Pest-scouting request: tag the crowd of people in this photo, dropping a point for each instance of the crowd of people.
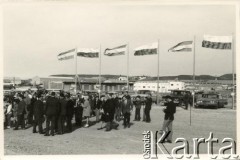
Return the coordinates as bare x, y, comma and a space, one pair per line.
59, 110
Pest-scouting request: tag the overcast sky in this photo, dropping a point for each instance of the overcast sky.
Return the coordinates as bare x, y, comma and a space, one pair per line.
35, 34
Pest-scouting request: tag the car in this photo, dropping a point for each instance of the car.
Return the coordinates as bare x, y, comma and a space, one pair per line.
178, 97
152, 93
212, 100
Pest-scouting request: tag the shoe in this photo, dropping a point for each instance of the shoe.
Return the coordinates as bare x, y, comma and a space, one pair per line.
52, 134
46, 135
86, 126
128, 125
15, 129
41, 133
34, 131
107, 130
100, 128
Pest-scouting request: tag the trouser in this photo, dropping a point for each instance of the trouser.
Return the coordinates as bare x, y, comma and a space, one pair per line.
147, 113
186, 105
137, 114
69, 123
20, 120
61, 121
9, 120
118, 114
78, 116
126, 119
37, 122
167, 126
30, 118
97, 112
144, 115
50, 119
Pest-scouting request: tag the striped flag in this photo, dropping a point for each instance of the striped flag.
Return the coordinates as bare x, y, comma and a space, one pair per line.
217, 42
88, 52
70, 54
82, 52
116, 51
149, 49
185, 46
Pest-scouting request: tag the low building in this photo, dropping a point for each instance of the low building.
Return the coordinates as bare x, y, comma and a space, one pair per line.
164, 86
12, 80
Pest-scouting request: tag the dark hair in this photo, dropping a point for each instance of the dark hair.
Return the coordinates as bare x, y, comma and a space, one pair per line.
61, 94
53, 94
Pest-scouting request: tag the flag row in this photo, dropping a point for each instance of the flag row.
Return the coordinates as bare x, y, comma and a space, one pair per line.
214, 42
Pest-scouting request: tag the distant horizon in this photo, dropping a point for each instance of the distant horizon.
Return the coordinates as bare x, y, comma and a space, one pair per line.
21, 77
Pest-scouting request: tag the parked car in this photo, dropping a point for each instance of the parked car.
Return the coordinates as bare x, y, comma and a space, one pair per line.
212, 100
178, 97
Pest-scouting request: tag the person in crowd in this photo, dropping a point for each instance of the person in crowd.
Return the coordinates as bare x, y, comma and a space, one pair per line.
186, 99
127, 108
9, 113
69, 112
97, 108
103, 112
86, 110
79, 110
21, 111
92, 103
118, 109
52, 105
109, 107
29, 111
138, 105
169, 111
148, 106
15, 109
62, 113
38, 114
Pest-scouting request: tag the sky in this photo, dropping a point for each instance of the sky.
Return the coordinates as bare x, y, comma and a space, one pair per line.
34, 34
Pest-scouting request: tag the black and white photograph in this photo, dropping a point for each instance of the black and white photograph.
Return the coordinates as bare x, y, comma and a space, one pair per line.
132, 79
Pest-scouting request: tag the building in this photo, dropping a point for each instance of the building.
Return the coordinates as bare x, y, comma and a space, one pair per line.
122, 78
56, 83
12, 80
84, 84
164, 86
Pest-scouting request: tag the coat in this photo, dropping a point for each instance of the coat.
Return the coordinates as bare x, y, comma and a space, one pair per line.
38, 109
70, 108
170, 110
148, 104
21, 107
63, 107
86, 109
52, 105
127, 106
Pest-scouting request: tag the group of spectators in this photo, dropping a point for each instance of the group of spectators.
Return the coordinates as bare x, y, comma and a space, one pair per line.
57, 111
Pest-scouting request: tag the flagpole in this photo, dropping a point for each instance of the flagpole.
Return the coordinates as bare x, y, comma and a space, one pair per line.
128, 66
193, 94
100, 63
76, 70
158, 52
233, 76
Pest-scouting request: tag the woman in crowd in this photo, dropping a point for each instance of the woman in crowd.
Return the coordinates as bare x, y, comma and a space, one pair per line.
86, 110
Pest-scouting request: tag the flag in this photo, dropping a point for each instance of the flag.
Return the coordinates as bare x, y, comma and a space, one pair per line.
146, 49
67, 55
185, 46
88, 52
116, 51
217, 42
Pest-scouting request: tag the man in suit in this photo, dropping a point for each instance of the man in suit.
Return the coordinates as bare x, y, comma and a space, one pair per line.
127, 108
69, 112
21, 111
38, 113
169, 111
148, 107
52, 105
62, 113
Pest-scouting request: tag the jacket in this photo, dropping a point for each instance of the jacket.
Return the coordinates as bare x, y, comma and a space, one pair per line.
21, 107
52, 105
38, 109
127, 106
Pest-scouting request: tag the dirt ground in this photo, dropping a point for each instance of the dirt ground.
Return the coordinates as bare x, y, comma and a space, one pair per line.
85, 141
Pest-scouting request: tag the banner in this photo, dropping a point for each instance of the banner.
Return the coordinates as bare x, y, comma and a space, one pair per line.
116, 51
217, 42
185, 46
146, 49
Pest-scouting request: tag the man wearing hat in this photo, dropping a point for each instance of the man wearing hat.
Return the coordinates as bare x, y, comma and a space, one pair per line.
52, 106
38, 113
168, 118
